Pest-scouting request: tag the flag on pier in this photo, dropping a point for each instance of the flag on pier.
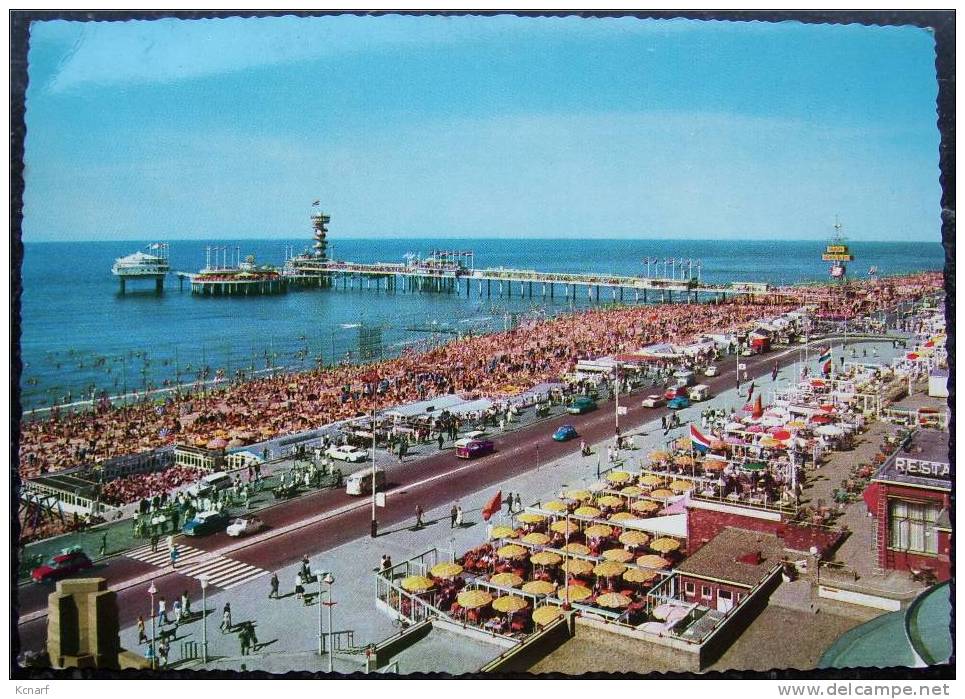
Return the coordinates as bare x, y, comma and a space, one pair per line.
825, 360
316, 202
758, 411
700, 441
493, 506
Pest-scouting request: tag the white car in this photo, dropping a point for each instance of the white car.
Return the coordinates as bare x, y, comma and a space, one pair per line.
475, 434
653, 401
462, 442
347, 453
243, 526
710, 371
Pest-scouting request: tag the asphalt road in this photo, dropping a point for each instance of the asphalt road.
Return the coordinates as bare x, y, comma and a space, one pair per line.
431, 482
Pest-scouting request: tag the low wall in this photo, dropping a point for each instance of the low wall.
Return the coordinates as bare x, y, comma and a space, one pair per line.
533, 649
671, 651
860, 598
392, 646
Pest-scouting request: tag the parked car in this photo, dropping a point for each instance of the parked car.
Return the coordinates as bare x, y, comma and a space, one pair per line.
473, 434
360, 482
346, 452
653, 401
581, 405
205, 523
211, 483
565, 433
699, 392
679, 403
684, 376
243, 526
710, 371
475, 447
68, 562
675, 391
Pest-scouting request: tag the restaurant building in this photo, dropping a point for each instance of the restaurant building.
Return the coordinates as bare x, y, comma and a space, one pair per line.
910, 499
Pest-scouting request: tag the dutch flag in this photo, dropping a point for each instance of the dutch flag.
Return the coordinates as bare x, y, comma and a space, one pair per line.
825, 360
701, 442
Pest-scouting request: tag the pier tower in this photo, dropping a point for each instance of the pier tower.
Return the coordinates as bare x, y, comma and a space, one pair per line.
320, 247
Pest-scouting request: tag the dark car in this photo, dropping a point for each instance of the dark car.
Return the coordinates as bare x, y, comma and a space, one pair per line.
205, 523
68, 562
475, 447
565, 433
580, 406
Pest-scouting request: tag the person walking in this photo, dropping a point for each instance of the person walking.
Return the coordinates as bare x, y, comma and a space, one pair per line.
141, 630
517, 506
185, 604
244, 640
174, 556
452, 517
162, 611
441, 440
274, 586
103, 550
155, 540
176, 611
509, 502
162, 652
418, 516
458, 517
226, 618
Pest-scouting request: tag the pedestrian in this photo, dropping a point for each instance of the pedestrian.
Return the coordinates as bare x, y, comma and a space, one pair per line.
155, 540
299, 586
452, 517
226, 618
384, 563
458, 517
170, 542
244, 640
306, 568
176, 611
141, 631
663, 424
185, 604
517, 507
103, 549
509, 502
418, 516
162, 612
274, 586
174, 556
162, 652
441, 440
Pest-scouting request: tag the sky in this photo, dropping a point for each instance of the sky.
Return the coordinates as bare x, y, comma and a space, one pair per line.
479, 127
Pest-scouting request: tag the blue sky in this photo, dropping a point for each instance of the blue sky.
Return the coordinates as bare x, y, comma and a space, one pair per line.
489, 127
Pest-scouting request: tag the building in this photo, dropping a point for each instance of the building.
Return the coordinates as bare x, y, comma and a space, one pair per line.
910, 499
209, 460
730, 567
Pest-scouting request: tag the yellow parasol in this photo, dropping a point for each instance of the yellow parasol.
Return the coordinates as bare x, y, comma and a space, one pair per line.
445, 570
531, 518
560, 527
769, 442
646, 507
635, 575
539, 587
555, 506
632, 537
652, 561
578, 566
796, 424
618, 476
417, 583
651, 480
509, 603
713, 464
658, 455
618, 555
664, 545
545, 558
545, 615
473, 599
578, 494
587, 511
662, 493
578, 549
536, 539
613, 600
576, 593
609, 569
683, 443
684, 461
632, 490
681, 486
610, 501
512, 551
621, 516
599, 530
506, 579
503, 533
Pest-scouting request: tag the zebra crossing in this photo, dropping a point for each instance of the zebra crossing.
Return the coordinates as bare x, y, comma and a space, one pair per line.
222, 572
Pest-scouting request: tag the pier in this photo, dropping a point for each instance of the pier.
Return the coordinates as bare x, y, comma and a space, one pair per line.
152, 266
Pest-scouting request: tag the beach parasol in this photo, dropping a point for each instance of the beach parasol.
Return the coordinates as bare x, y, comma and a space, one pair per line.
613, 600
473, 599
754, 466
769, 443
632, 537
512, 551
554, 506
632, 490
796, 424
545, 615
662, 493
635, 575
536, 539
539, 587
417, 583
545, 558
598, 530
663, 611
645, 507
618, 555
664, 544
651, 481
621, 516
609, 569
531, 518
506, 579
445, 570
681, 486
578, 494
579, 566
780, 434
578, 549
713, 464
658, 455
576, 593
829, 431
684, 461
683, 443
509, 603
610, 501
618, 476
217, 443
586, 511
503, 533
562, 526
653, 561
755, 428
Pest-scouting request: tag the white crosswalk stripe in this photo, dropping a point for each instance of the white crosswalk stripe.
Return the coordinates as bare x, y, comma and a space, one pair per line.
222, 571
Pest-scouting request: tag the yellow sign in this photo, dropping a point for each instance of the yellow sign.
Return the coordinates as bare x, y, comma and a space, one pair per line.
837, 248
836, 258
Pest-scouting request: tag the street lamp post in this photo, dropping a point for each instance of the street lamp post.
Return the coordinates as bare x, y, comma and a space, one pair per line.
153, 591
330, 581
203, 579
320, 591
375, 523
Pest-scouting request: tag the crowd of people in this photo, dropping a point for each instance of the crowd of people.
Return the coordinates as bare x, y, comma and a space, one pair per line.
494, 365
121, 491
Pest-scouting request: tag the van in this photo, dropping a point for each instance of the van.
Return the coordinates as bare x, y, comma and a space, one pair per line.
360, 482
699, 392
213, 482
684, 376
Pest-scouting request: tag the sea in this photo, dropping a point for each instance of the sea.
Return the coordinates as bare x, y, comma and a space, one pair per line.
80, 337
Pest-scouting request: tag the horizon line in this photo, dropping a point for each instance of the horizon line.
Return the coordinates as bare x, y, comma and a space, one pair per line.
308, 240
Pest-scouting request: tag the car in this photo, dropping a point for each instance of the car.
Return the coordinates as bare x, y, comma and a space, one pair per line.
710, 371
475, 447
67, 562
699, 393
675, 391
679, 403
565, 433
346, 452
243, 526
205, 523
581, 405
653, 401
474, 434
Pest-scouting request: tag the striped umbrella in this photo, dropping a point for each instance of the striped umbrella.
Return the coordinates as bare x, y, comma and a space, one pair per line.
613, 600
653, 561
576, 593
635, 575
664, 545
